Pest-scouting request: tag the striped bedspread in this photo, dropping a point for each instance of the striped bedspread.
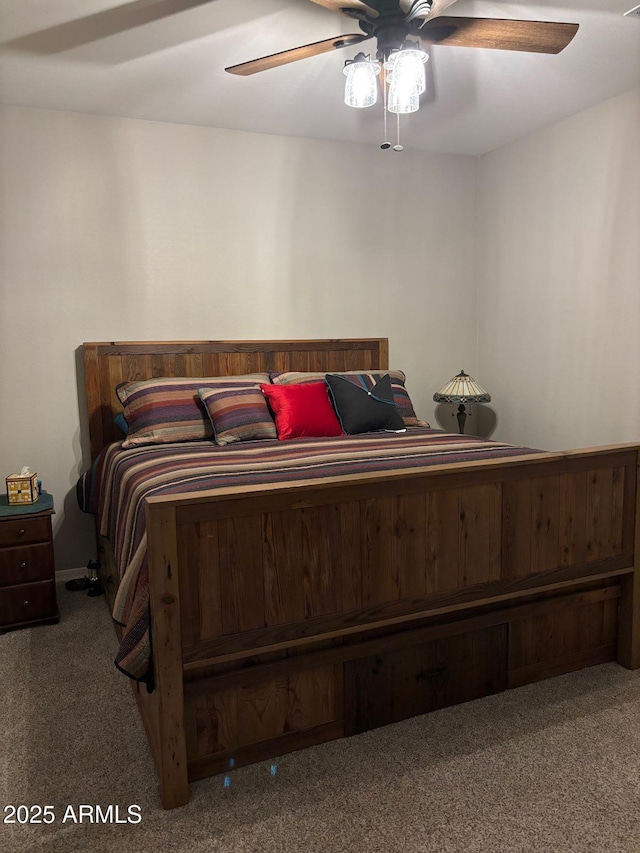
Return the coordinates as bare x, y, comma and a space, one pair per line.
116, 488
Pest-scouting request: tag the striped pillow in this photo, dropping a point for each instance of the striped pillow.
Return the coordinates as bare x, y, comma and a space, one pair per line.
238, 413
365, 379
166, 410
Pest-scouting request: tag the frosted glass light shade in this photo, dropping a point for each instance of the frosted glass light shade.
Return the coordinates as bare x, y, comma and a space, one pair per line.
361, 85
408, 69
402, 102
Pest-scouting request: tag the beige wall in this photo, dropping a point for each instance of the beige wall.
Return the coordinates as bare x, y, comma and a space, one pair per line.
120, 229
559, 289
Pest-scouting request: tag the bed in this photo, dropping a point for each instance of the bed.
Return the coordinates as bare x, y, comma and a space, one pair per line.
286, 614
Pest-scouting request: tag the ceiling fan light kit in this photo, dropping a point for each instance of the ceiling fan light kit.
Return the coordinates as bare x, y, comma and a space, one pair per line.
361, 85
398, 26
405, 68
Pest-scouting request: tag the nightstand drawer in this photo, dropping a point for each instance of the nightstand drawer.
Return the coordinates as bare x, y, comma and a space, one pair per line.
23, 530
27, 563
27, 603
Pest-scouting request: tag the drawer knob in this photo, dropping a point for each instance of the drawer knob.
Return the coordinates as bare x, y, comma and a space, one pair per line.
21, 532
25, 603
23, 565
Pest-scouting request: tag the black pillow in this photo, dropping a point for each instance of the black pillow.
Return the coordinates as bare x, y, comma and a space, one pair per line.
360, 410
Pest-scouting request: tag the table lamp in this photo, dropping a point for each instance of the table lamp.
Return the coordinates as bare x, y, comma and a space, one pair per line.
462, 389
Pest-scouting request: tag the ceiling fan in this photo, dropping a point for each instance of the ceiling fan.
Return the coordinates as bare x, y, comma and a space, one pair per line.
391, 22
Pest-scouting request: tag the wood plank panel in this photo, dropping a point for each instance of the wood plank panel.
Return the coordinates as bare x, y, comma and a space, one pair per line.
136, 367
610, 623
629, 507
475, 665
210, 608
392, 686
545, 508
480, 534
311, 699
336, 362
282, 567
409, 545
351, 561
560, 666
95, 403
190, 726
629, 614
617, 510
261, 711
282, 362
188, 541
193, 364
561, 640
211, 364
534, 510
109, 368
238, 363
148, 707
443, 537
158, 361
240, 715
321, 560
114, 371
216, 722
380, 582
164, 600
573, 518
241, 584
516, 529
599, 511
300, 361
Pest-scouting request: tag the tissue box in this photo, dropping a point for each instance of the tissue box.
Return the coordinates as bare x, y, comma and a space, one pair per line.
22, 488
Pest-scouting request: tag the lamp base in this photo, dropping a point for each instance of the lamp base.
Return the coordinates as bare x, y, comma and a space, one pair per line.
462, 417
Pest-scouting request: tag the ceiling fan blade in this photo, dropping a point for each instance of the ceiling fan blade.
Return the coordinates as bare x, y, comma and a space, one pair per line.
100, 25
285, 56
339, 5
498, 34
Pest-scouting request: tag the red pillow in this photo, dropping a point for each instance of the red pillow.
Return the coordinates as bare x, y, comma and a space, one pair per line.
302, 410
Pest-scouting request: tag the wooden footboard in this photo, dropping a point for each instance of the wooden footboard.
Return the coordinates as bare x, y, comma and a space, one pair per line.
287, 617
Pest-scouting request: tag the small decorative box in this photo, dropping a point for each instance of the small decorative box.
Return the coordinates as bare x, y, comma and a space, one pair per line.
22, 488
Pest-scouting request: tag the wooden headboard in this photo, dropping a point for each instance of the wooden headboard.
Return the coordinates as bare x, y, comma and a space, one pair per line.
108, 364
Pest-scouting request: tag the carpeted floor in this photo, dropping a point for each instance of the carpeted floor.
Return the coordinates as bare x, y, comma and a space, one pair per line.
550, 767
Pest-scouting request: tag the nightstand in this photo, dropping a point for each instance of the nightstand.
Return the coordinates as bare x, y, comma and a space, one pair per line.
27, 574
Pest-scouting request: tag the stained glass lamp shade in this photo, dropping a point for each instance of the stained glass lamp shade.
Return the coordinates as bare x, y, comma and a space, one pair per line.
462, 389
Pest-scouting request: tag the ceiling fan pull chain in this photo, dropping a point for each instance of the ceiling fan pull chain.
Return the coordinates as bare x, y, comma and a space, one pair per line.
398, 147
386, 144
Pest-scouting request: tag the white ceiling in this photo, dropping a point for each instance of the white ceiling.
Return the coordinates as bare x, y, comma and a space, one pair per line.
172, 70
